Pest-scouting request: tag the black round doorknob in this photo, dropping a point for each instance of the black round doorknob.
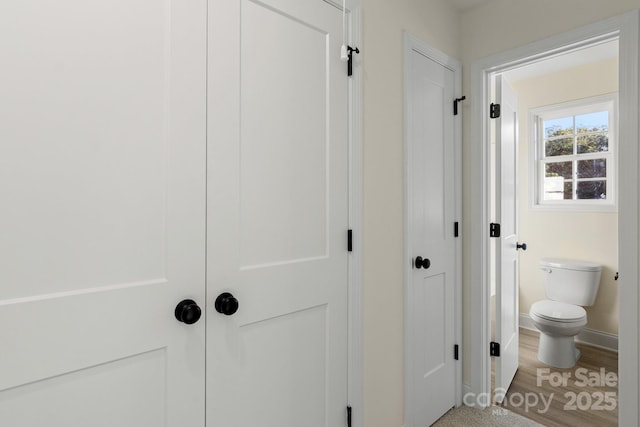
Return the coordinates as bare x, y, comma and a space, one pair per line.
187, 311
226, 304
422, 263
522, 246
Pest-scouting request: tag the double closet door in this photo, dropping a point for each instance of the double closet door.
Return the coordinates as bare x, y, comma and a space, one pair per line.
157, 152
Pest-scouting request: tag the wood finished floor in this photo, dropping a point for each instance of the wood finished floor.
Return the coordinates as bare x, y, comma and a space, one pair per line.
577, 403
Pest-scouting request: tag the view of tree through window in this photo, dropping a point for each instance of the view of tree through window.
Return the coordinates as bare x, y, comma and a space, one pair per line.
575, 156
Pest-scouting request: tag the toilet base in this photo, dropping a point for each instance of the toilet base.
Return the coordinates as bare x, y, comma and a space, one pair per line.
558, 351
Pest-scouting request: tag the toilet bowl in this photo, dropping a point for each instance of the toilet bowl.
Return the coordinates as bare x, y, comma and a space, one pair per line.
558, 324
569, 285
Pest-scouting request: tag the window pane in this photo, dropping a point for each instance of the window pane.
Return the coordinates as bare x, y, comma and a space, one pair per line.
592, 168
593, 122
558, 147
594, 143
557, 127
568, 190
592, 190
558, 169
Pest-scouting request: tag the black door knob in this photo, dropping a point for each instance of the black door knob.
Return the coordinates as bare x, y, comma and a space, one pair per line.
187, 311
226, 304
522, 246
422, 263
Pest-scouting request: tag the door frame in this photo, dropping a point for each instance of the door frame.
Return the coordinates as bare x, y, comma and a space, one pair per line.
626, 28
412, 43
355, 381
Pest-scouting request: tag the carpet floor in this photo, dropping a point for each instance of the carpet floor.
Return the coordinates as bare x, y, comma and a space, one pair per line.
493, 416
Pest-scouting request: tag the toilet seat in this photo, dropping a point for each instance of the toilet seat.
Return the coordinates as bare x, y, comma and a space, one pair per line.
557, 311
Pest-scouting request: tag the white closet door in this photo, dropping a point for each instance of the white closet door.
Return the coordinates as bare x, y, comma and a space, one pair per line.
431, 263
278, 158
102, 224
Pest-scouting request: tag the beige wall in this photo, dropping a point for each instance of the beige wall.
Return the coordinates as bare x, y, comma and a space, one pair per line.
498, 26
589, 236
436, 23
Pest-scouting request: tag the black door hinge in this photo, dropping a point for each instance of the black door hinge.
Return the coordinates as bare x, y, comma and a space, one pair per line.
494, 111
350, 60
455, 351
455, 229
350, 240
494, 230
494, 349
348, 416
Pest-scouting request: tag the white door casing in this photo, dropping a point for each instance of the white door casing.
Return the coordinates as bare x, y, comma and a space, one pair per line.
277, 214
506, 259
431, 197
102, 182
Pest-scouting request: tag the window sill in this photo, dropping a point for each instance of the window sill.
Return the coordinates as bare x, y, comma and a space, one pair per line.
575, 207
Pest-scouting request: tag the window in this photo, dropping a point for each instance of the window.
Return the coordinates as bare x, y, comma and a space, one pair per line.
574, 154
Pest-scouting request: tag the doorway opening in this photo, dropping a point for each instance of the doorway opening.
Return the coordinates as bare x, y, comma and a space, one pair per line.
565, 119
625, 29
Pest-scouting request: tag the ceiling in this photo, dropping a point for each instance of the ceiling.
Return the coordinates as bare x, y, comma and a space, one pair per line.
462, 5
584, 56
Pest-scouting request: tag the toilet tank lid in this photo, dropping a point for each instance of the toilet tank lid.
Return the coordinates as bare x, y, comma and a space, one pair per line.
570, 264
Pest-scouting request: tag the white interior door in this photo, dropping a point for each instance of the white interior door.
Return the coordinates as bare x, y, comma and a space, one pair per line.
277, 211
102, 182
431, 199
507, 304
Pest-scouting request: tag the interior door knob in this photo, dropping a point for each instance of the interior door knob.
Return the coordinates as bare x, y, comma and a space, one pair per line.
422, 263
187, 311
226, 304
522, 246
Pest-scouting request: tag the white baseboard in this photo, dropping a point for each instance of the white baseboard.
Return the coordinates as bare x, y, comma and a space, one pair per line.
526, 322
587, 336
466, 389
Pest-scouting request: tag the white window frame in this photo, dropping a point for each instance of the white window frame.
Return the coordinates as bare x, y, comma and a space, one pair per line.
537, 163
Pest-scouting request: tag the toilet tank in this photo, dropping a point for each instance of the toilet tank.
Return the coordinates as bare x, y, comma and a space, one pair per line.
570, 281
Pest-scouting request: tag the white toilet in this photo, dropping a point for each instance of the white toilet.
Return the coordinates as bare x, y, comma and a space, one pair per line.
569, 285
